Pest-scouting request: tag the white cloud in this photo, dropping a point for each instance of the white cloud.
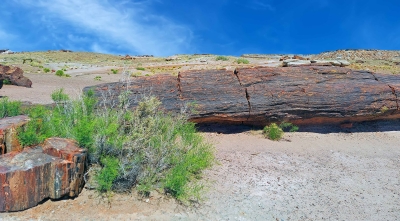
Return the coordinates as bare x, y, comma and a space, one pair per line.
121, 24
260, 5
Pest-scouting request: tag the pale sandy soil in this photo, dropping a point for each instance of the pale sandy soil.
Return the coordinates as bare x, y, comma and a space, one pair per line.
306, 176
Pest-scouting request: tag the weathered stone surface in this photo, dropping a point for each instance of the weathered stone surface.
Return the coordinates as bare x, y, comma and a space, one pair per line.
295, 63
52, 170
8, 133
258, 96
14, 75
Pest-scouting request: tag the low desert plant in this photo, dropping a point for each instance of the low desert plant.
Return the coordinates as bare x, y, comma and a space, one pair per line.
7, 82
46, 70
143, 148
221, 58
114, 71
242, 61
60, 73
9, 108
140, 68
275, 132
97, 78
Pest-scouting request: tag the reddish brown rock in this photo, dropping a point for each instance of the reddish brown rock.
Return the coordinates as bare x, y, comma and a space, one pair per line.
8, 133
258, 96
52, 170
14, 75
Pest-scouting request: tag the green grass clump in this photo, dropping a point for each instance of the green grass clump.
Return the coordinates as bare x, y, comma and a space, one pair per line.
221, 58
275, 132
9, 108
242, 61
143, 148
46, 70
114, 71
140, 68
60, 73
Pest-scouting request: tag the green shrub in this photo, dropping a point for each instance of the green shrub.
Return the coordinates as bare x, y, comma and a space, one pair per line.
9, 108
108, 173
46, 70
140, 68
114, 71
97, 78
7, 82
58, 96
143, 147
221, 58
242, 61
275, 132
60, 73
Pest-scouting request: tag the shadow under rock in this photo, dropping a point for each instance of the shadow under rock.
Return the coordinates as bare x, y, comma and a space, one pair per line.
357, 127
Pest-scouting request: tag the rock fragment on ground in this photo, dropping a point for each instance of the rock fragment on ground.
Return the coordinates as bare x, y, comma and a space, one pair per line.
52, 170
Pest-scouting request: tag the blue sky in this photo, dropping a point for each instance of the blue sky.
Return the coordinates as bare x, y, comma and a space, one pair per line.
227, 27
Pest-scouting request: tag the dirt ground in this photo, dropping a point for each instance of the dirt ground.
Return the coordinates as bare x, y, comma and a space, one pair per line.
316, 174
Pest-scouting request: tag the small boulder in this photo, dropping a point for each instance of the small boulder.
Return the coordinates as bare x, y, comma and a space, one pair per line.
14, 75
52, 170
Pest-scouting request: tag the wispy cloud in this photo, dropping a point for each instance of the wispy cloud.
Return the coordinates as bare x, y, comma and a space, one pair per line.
260, 5
112, 25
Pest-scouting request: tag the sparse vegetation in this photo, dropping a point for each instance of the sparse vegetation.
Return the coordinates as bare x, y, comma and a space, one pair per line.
9, 108
140, 68
143, 147
221, 58
242, 61
97, 78
114, 71
46, 70
275, 132
60, 73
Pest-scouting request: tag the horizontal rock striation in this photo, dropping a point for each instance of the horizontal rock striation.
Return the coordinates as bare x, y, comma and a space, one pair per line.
52, 170
258, 96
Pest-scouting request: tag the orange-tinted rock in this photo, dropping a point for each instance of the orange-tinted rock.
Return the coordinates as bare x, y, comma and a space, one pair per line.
8, 133
258, 96
52, 170
14, 75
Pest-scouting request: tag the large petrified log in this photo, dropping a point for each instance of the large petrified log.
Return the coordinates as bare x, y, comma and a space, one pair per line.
14, 75
52, 170
258, 96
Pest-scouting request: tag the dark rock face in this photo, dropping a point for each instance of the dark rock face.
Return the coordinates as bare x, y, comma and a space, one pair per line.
14, 75
258, 96
52, 170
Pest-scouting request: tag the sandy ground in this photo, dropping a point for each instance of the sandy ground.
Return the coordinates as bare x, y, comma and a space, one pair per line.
327, 174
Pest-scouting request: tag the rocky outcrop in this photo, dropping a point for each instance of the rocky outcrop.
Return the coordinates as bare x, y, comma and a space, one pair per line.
258, 96
14, 75
361, 54
52, 170
8, 133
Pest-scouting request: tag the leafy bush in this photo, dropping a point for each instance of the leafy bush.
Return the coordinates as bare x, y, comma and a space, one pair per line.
114, 71
6, 82
221, 58
60, 73
46, 70
242, 61
275, 132
143, 147
97, 78
140, 68
9, 108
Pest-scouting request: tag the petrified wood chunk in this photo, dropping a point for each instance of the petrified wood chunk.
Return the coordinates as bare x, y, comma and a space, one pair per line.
52, 170
258, 96
14, 75
8, 133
